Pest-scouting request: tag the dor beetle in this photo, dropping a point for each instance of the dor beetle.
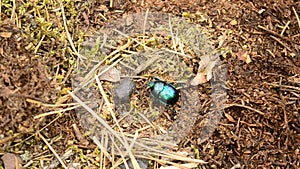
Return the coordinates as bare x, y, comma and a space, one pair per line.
166, 93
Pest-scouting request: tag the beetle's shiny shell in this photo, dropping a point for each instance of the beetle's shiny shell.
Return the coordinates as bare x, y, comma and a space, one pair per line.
164, 92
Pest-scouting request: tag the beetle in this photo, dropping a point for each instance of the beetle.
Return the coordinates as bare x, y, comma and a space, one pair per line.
165, 92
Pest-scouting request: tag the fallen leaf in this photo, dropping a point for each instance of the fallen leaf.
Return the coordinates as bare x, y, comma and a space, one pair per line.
243, 56
233, 22
111, 75
204, 74
12, 161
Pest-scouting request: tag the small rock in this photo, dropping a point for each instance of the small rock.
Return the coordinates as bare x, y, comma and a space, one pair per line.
12, 161
124, 91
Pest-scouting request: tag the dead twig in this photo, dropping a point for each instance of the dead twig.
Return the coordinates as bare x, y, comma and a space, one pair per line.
59, 112
12, 17
284, 28
47, 125
67, 31
276, 34
297, 17
111, 2
284, 86
270, 31
66, 155
279, 41
145, 24
243, 106
7, 139
52, 150
131, 156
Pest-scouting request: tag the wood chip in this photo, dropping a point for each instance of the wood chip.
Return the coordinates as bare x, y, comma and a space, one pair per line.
5, 34
229, 117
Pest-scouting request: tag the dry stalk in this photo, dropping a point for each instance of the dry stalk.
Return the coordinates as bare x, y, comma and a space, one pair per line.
284, 28
56, 118
298, 20
85, 83
67, 31
49, 105
55, 112
52, 150
280, 42
244, 106
108, 104
276, 34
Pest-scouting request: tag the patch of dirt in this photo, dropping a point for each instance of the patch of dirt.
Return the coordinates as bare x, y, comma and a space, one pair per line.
22, 76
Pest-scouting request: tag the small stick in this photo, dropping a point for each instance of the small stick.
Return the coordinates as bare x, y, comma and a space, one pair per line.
53, 151
284, 28
243, 106
171, 32
49, 105
55, 163
67, 30
271, 53
39, 44
284, 86
112, 131
77, 132
55, 112
297, 17
276, 34
13, 13
178, 53
134, 39
111, 2
47, 125
269, 31
102, 148
276, 39
103, 16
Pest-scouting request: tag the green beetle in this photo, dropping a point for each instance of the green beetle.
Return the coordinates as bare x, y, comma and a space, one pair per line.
166, 93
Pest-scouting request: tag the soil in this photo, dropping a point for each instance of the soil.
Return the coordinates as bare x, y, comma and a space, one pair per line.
261, 123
